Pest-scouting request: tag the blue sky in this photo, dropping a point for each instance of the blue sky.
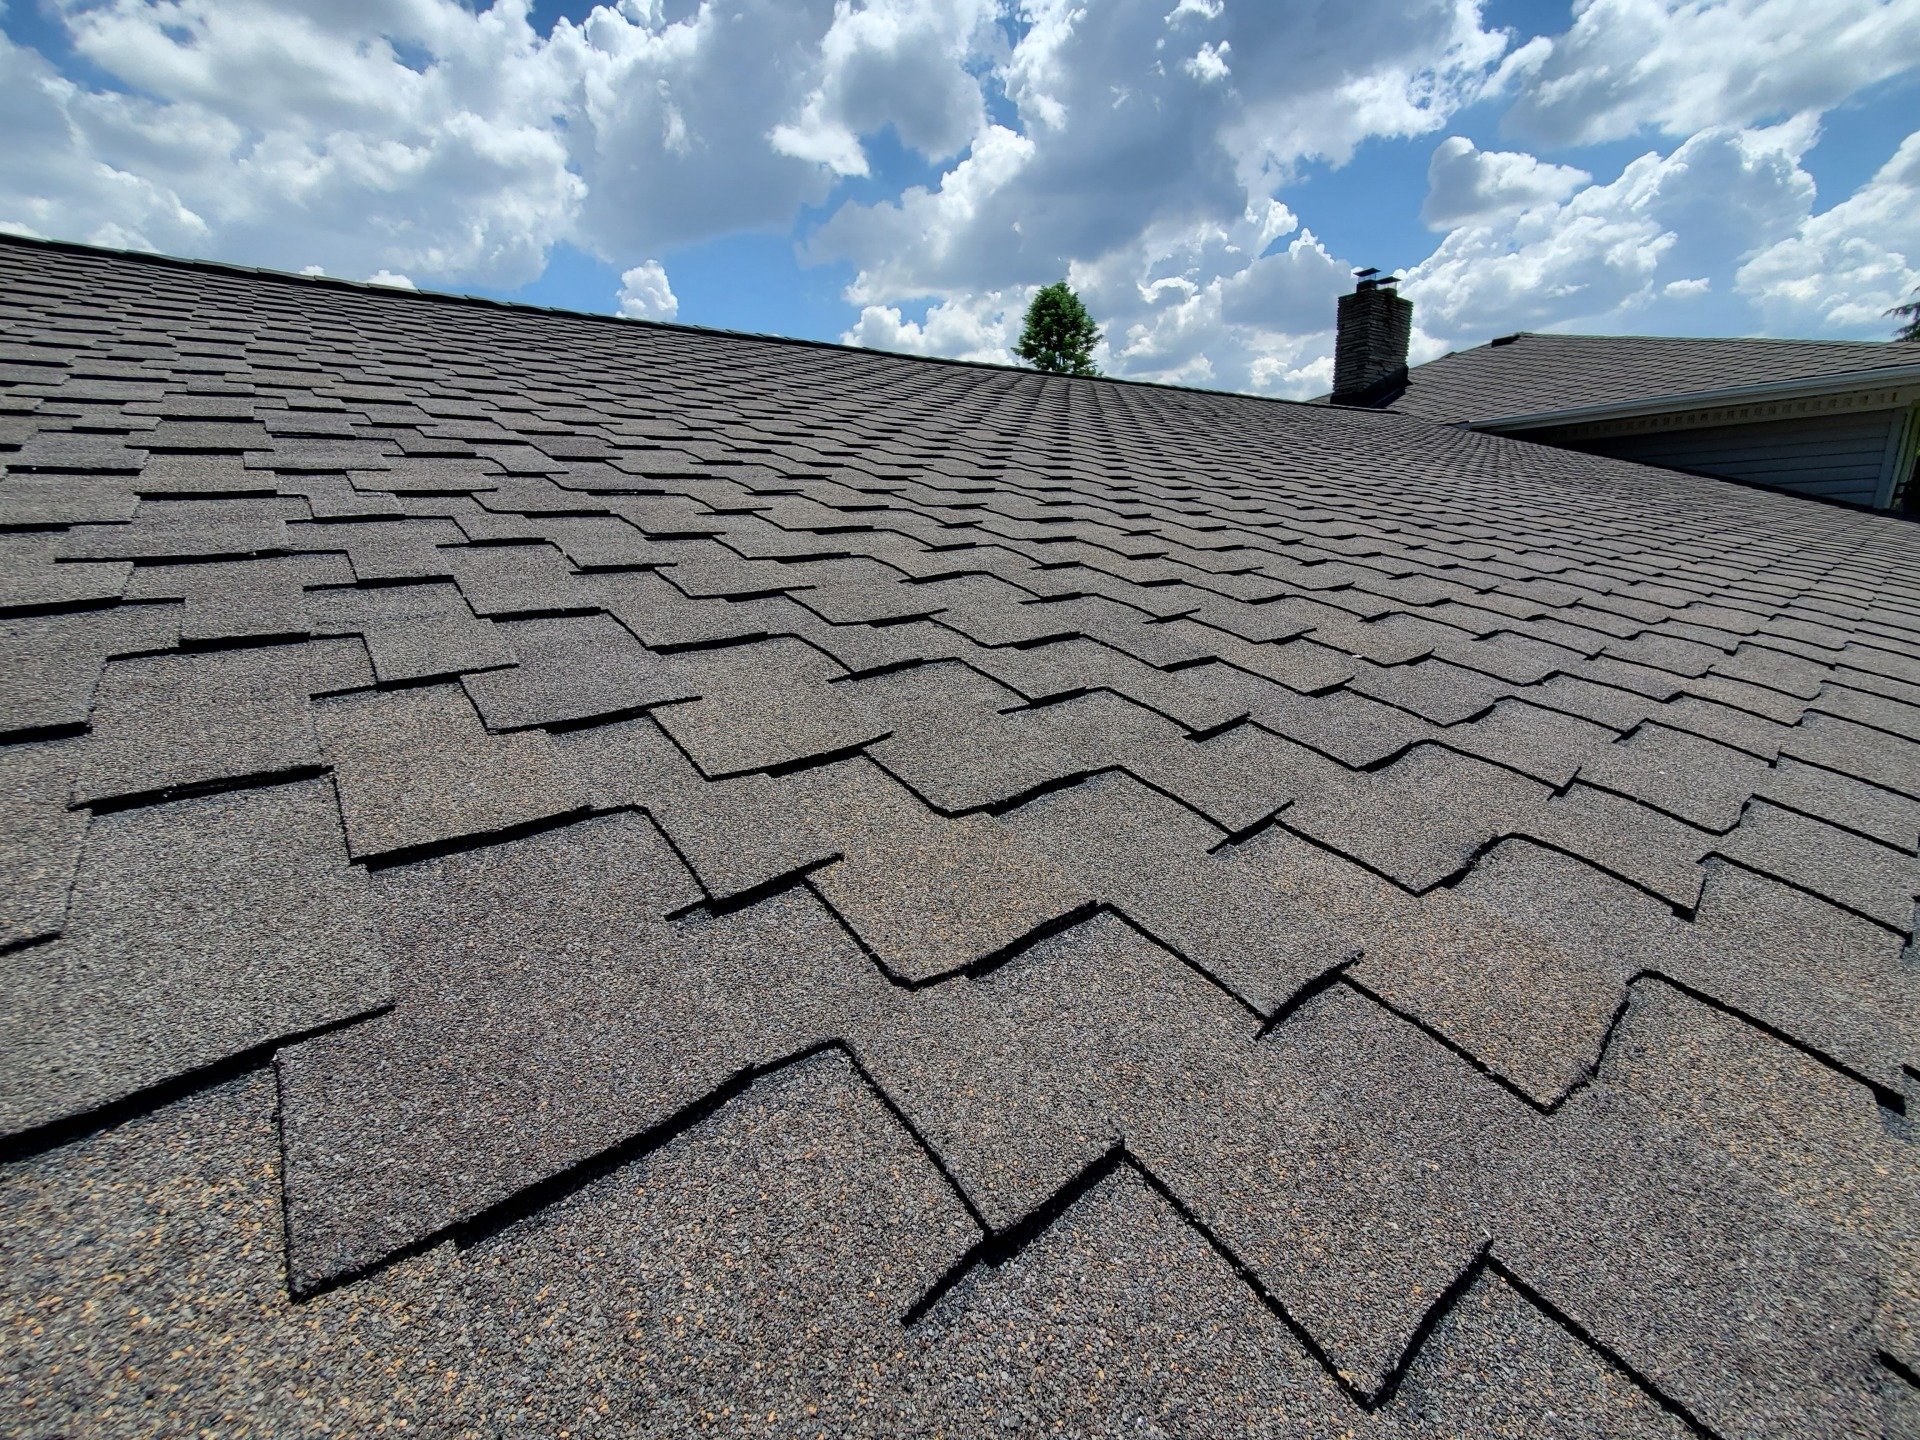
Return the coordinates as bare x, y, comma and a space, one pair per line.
903, 173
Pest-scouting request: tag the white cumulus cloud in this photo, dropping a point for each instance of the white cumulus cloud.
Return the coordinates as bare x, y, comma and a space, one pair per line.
1844, 268
1466, 183
980, 327
1680, 66
1605, 251
645, 293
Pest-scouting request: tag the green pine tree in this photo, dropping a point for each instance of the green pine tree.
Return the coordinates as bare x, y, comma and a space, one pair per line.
1059, 335
1909, 314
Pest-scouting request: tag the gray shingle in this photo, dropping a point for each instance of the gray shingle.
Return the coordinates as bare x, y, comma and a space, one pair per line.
546, 1033
1695, 780
765, 705
1858, 874
178, 722
39, 838
573, 668
32, 579
197, 931
416, 769
53, 662
1421, 819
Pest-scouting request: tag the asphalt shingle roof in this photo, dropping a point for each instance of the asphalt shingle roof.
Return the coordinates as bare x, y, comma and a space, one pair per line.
1538, 374
567, 876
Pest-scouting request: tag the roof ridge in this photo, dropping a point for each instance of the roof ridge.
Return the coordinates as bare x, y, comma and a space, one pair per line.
1687, 339
228, 267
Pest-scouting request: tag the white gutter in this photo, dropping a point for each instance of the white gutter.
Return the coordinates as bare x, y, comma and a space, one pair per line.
1889, 377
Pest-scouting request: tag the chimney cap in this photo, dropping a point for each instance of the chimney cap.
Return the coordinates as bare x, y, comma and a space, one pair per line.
1371, 279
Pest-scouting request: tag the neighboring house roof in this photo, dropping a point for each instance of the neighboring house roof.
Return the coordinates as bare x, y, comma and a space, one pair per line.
1529, 375
573, 876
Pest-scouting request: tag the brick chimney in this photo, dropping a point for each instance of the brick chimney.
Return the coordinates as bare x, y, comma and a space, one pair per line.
1370, 345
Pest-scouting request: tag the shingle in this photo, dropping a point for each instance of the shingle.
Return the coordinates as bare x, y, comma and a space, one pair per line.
1858, 874
412, 632
603, 542
1172, 1344
1265, 917
1841, 800
187, 530
172, 723
1516, 659
209, 435
1238, 779
198, 930
383, 550
32, 579
1354, 730
60, 453
1300, 665
1200, 697
1021, 1078
323, 456
65, 500
1356, 1168
766, 705
706, 570
1544, 744
502, 580
1432, 689
1762, 665
1666, 652
332, 497
1730, 1301
1522, 965
1621, 836
929, 896
547, 1032
1855, 750
218, 1347
1878, 711
737, 835
807, 1223
416, 769
53, 662
856, 591
1695, 780
989, 609
1422, 818
183, 476
665, 619
404, 476
239, 600
1793, 1125
573, 668
39, 838
1730, 726
1833, 981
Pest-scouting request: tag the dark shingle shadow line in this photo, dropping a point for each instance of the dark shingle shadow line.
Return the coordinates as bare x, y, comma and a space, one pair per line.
1898, 1368
197, 789
473, 840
